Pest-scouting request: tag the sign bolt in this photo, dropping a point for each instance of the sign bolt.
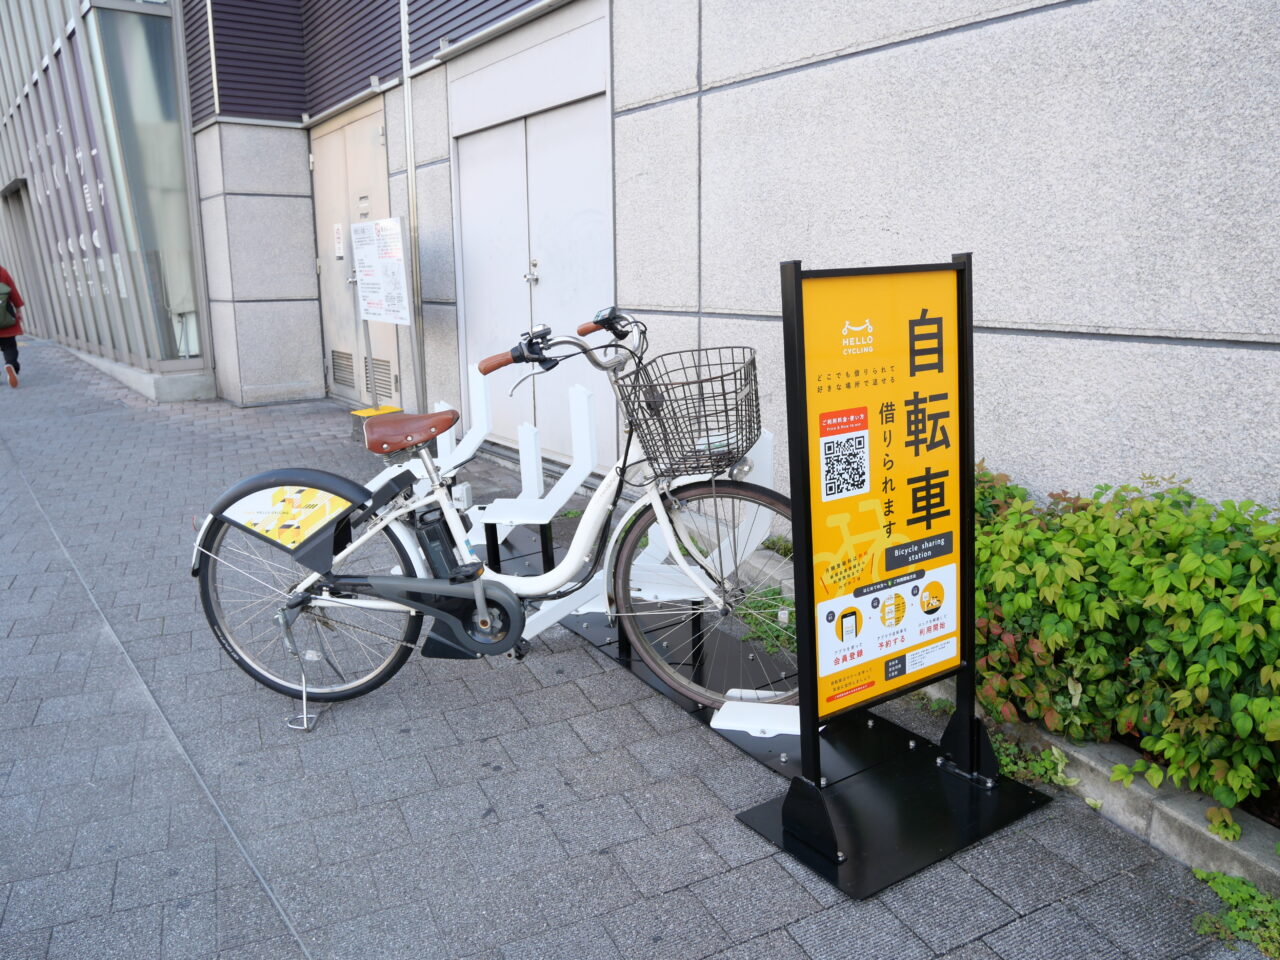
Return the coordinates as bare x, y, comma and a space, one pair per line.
938, 760
840, 857
822, 781
870, 722
911, 744
989, 782
782, 758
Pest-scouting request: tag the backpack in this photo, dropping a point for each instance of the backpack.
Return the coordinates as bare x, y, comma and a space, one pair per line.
7, 317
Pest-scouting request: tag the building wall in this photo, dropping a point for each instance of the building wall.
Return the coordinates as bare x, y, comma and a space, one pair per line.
1109, 164
259, 241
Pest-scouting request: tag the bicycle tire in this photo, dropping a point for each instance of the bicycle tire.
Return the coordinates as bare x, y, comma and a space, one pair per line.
748, 645
241, 577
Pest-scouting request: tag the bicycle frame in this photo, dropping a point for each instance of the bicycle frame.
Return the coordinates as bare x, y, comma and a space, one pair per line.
578, 556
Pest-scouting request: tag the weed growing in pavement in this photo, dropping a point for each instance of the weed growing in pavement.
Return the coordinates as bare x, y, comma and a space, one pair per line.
1047, 766
1251, 915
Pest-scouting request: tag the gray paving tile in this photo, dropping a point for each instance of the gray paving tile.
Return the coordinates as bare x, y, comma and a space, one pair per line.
595, 824
486, 916
527, 844
753, 899
563, 667
741, 782
612, 772
422, 871
614, 687
360, 833
28, 945
502, 680
165, 875
1151, 908
277, 948
684, 753
666, 861
1094, 846
1057, 933
551, 744
827, 894
550, 704
583, 941
385, 780
960, 908
584, 887
28, 853
484, 720
123, 935
414, 737
868, 924
675, 924
972, 951
674, 803
772, 946
1021, 872
732, 841
404, 932
517, 794
190, 927
469, 761
119, 837
58, 898
615, 727
446, 811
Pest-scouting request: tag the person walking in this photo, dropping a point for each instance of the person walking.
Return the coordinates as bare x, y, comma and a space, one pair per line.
9, 335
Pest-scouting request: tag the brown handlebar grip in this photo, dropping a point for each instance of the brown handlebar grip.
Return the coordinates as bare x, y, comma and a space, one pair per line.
496, 362
586, 328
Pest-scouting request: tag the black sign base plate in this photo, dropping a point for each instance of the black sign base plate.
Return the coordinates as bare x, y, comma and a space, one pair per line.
891, 818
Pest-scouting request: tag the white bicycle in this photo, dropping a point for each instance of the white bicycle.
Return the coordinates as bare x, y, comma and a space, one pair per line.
318, 586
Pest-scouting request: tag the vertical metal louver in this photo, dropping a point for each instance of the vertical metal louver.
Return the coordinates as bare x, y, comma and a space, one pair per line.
344, 369
381, 377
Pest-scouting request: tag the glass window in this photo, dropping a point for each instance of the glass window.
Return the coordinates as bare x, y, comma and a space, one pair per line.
137, 54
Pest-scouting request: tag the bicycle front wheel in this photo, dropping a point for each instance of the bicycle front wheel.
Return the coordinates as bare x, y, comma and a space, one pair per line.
346, 650
742, 646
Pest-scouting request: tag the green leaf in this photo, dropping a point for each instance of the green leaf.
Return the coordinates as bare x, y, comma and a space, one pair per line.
1155, 776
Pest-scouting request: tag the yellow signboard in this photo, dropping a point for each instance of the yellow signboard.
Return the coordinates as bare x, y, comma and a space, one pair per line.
287, 515
884, 408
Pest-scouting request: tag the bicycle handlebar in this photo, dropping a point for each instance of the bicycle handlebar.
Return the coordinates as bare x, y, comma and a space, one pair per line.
587, 328
496, 362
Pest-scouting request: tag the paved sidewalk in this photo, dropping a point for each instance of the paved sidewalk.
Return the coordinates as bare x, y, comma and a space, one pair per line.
153, 803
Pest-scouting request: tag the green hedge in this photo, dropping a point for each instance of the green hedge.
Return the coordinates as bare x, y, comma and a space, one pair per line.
1137, 610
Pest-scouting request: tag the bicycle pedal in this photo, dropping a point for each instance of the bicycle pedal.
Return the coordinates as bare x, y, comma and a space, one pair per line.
466, 573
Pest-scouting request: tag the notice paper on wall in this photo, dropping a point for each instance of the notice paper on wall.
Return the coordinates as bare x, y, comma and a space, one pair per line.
380, 276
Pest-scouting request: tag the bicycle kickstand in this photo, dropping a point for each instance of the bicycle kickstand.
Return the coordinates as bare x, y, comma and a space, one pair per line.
306, 722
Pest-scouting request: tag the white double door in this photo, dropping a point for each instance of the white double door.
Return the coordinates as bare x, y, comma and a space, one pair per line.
536, 226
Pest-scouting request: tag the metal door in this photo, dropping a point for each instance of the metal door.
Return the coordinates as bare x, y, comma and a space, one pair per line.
536, 228
571, 254
350, 186
495, 253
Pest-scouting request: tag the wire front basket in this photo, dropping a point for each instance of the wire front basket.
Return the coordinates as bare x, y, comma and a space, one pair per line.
694, 411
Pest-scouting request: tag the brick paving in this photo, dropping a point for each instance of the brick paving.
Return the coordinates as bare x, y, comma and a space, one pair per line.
154, 804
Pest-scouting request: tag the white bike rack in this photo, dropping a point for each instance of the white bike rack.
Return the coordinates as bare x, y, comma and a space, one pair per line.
534, 507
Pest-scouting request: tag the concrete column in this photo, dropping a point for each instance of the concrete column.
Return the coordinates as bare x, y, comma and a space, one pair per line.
260, 249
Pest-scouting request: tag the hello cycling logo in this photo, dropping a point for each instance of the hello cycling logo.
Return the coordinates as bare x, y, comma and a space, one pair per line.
857, 338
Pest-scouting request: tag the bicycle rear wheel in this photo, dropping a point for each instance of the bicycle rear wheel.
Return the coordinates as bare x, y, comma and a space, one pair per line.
346, 651
743, 647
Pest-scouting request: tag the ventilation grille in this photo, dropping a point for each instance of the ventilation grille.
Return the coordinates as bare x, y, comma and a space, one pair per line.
381, 377
344, 369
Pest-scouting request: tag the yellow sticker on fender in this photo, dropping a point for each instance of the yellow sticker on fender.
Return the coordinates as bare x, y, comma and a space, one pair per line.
287, 515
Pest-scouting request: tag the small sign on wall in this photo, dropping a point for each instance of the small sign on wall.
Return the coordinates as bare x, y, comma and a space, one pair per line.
339, 242
379, 266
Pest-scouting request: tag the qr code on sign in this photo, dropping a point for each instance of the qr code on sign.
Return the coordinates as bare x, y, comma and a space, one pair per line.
844, 466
